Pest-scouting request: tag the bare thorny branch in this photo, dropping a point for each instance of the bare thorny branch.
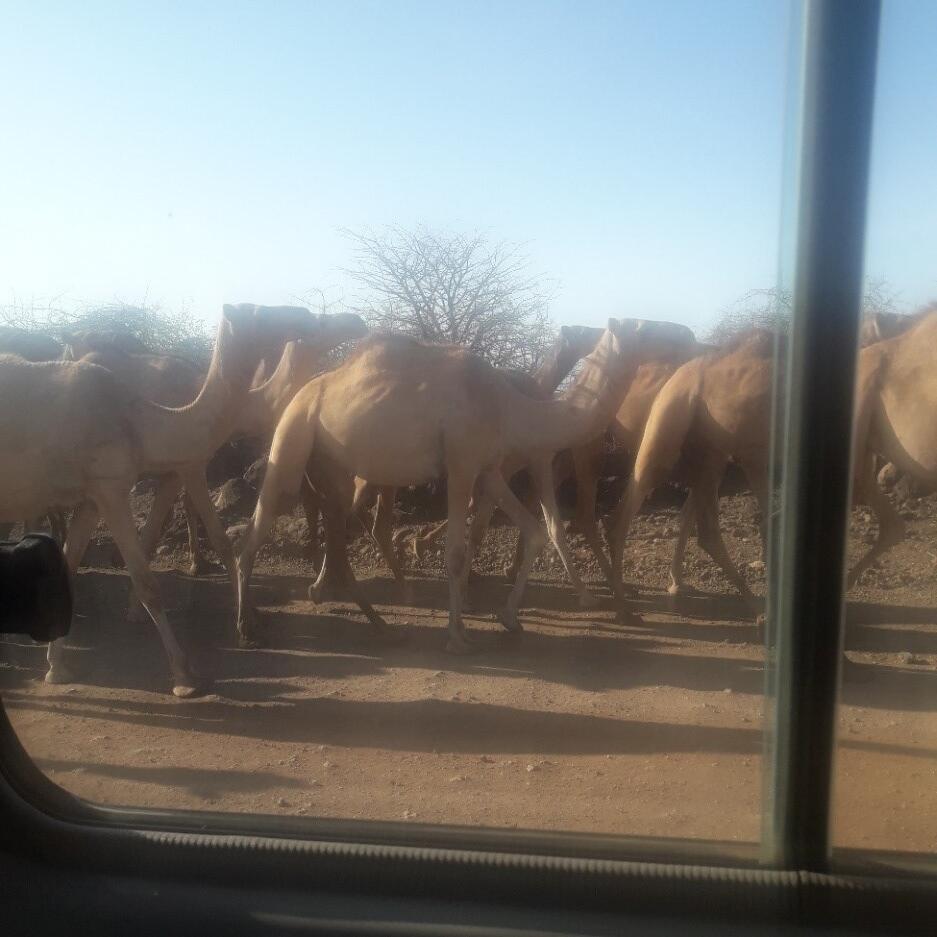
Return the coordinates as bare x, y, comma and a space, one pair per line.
453, 288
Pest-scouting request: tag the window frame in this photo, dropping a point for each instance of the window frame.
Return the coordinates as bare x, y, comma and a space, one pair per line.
786, 876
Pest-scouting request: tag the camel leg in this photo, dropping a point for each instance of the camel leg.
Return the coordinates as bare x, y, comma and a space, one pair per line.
484, 510
709, 536
534, 541
79, 533
330, 584
336, 522
687, 516
198, 565
115, 512
586, 494
382, 532
198, 495
459, 493
58, 525
531, 504
196, 486
542, 471
312, 505
286, 469
639, 486
420, 544
167, 490
891, 528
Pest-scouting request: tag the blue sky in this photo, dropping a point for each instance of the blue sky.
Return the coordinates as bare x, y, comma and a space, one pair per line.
192, 154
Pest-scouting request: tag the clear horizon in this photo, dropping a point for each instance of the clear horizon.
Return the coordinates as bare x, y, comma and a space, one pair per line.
186, 159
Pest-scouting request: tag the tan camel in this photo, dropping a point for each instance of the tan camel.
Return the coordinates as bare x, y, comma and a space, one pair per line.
895, 401
714, 409
572, 344
256, 417
400, 413
74, 438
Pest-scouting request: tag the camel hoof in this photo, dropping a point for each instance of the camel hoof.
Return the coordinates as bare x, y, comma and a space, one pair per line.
198, 568
631, 619
460, 646
249, 643
510, 621
676, 588
761, 628
189, 687
56, 676
588, 600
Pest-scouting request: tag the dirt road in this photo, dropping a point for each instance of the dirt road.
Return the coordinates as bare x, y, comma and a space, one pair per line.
580, 725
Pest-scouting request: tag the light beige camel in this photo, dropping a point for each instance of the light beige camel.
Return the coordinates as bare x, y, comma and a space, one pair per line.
257, 417
572, 344
164, 379
585, 463
895, 402
401, 413
74, 438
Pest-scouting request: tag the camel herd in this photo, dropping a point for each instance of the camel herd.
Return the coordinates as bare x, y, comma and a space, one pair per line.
79, 432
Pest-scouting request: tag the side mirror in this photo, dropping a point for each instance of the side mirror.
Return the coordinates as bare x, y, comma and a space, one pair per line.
35, 588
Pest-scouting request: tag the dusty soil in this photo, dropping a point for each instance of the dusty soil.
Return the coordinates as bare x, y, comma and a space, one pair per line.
580, 724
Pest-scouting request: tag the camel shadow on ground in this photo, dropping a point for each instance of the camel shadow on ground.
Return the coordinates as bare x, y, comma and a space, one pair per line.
563, 645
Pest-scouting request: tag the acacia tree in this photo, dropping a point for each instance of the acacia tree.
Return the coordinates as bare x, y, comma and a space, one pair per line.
160, 330
453, 288
771, 309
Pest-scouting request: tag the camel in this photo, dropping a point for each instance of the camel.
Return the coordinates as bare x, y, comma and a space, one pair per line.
257, 417
73, 437
398, 412
715, 407
572, 344
84, 341
31, 346
896, 392
164, 379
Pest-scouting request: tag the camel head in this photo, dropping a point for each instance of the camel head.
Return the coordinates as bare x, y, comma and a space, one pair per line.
574, 342
339, 328
651, 340
249, 334
880, 326
85, 341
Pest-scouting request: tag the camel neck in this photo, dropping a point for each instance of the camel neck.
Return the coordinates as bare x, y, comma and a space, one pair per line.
298, 364
554, 370
172, 436
583, 411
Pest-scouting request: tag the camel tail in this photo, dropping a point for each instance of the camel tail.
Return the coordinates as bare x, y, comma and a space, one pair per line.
668, 423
